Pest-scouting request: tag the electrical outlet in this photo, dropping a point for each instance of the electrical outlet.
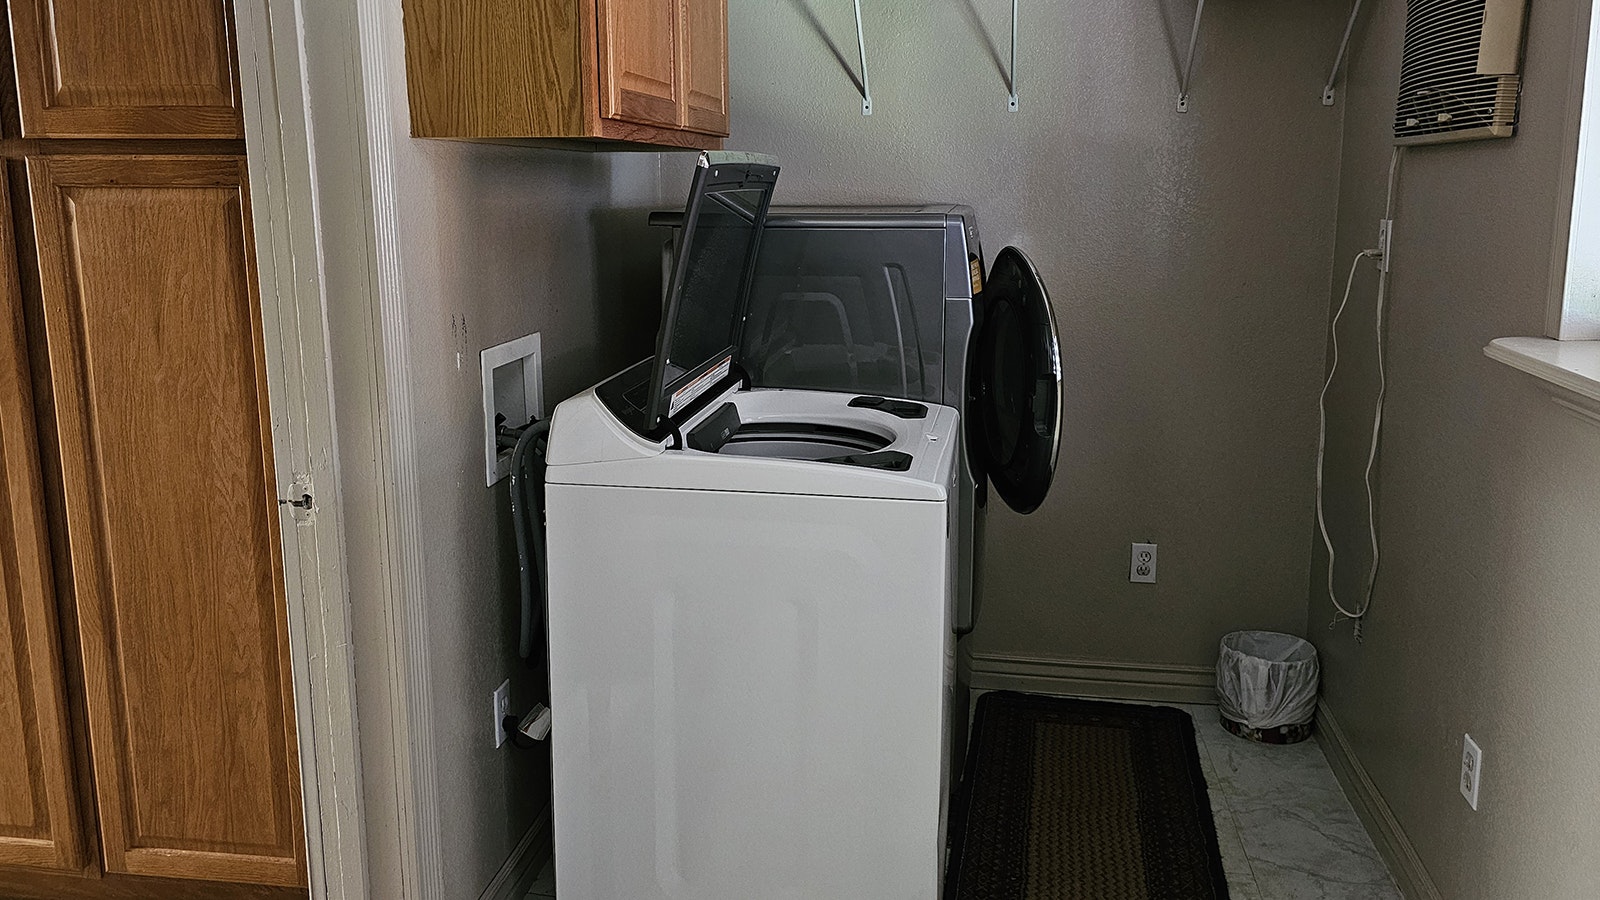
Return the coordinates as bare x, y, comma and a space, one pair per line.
1471, 770
1385, 242
1142, 567
502, 708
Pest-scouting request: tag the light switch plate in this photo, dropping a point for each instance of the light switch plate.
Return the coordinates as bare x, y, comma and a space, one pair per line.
513, 386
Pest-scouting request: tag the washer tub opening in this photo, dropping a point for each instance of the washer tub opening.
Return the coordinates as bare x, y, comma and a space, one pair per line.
802, 440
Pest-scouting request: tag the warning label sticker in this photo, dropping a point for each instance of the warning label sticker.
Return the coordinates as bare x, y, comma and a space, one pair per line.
691, 392
976, 265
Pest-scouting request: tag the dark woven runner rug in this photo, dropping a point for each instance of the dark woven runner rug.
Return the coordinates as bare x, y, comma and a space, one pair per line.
1082, 800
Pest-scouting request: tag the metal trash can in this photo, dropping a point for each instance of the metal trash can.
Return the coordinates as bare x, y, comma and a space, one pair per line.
1267, 686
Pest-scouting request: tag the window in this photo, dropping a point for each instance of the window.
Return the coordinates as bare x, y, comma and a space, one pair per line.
1574, 313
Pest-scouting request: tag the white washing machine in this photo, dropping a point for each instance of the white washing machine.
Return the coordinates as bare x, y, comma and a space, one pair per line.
750, 654
751, 602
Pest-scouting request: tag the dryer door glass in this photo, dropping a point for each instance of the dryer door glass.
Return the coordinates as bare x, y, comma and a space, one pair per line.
859, 310
1014, 412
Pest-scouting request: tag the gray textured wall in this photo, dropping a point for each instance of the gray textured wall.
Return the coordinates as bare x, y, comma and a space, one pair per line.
1186, 255
1485, 619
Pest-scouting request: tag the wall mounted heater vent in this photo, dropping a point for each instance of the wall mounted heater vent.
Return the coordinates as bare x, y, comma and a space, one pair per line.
1459, 71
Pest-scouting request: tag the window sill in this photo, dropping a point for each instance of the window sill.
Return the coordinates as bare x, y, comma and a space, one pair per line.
1573, 366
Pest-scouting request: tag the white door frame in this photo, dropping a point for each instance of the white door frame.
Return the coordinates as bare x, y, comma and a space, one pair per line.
288, 254
316, 80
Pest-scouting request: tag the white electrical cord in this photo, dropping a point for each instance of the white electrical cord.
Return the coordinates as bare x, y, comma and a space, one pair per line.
1322, 438
1381, 254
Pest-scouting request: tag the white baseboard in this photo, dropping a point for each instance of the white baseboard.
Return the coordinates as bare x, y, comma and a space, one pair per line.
1404, 864
522, 866
1105, 679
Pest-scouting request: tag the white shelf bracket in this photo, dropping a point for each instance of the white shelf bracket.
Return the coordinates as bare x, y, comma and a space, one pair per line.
861, 45
1344, 48
1011, 81
1188, 65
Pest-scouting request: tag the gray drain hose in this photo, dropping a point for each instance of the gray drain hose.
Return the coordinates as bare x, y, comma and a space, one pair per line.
527, 516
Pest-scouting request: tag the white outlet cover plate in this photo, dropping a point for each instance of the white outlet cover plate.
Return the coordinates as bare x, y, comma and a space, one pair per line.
502, 708
1142, 564
1471, 770
497, 462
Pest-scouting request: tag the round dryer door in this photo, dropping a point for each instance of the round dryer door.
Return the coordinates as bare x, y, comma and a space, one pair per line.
1014, 413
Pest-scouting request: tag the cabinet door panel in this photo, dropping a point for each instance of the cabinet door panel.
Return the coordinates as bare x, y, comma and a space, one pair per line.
705, 65
495, 68
152, 322
114, 68
639, 78
38, 813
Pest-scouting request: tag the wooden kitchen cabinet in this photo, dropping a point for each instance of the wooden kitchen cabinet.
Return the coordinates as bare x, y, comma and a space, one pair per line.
39, 821
147, 733
152, 328
602, 73
114, 68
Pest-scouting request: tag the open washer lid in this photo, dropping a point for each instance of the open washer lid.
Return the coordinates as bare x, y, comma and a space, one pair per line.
1014, 407
709, 288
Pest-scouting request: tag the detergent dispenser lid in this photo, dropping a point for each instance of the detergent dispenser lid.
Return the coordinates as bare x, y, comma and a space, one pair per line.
709, 287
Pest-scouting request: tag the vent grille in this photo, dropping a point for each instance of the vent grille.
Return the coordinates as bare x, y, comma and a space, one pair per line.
1446, 91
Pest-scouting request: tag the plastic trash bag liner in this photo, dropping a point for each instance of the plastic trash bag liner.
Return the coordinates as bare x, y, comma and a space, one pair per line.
1266, 679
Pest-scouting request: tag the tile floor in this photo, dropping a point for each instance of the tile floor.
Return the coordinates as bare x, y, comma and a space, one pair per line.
1285, 828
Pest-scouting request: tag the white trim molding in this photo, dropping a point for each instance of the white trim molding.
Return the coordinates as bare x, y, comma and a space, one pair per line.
410, 671
1396, 849
1570, 370
293, 307
1105, 679
319, 83
1571, 365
